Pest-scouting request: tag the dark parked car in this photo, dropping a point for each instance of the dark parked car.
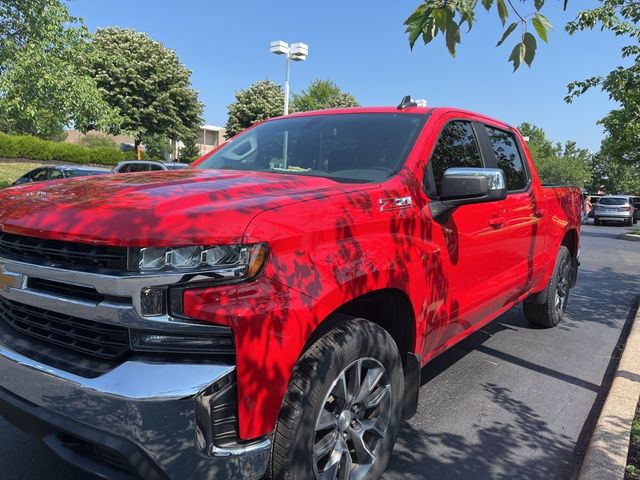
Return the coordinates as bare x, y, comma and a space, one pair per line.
147, 166
636, 204
594, 201
42, 174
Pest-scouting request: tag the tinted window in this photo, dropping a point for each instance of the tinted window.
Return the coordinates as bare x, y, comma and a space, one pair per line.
155, 167
83, 173
508, 158
612, 201
456, 148
348, 147
55, 174
40, 175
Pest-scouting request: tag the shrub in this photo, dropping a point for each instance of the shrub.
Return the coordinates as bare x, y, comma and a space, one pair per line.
32, 148
97, 140
8, 146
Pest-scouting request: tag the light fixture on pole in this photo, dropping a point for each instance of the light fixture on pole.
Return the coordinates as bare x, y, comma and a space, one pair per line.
297, 52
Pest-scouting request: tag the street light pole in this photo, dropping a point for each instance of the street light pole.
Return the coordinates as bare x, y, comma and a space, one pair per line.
286, 86
298, 52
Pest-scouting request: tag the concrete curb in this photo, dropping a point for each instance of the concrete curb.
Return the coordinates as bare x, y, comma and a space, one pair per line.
606, 456
628, 236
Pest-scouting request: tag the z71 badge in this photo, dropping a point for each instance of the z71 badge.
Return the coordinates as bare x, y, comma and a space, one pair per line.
387, 204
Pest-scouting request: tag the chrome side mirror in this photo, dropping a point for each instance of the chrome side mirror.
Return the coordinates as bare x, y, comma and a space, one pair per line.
464, 186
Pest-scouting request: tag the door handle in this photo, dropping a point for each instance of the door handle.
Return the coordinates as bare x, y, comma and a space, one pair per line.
540, 213
497, 221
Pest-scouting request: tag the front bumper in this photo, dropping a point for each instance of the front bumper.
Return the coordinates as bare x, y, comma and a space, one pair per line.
139, 420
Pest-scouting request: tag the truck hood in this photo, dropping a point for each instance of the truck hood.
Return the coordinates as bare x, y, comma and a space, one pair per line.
172, 208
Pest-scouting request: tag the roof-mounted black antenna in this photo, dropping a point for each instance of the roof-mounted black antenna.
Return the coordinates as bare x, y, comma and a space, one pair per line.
407, 102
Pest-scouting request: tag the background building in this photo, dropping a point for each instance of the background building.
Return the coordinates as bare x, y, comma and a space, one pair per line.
209, 137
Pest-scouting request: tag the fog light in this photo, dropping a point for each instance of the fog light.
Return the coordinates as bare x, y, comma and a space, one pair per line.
181, 343
153, 302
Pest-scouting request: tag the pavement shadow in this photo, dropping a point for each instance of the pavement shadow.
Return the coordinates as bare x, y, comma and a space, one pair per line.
491, 454
586, 299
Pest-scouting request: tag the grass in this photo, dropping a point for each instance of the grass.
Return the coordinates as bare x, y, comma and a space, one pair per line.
633, 460
10, 171
635, 232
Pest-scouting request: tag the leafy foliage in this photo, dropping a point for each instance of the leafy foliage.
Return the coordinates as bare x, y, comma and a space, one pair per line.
98, 140
558, 164
262, 100
190, 150
33, 148
612, 176
157, 145
146, 83
43, 82
447, 17
320, 95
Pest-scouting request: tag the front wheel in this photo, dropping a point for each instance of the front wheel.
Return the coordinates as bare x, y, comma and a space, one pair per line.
549, 310
342, 410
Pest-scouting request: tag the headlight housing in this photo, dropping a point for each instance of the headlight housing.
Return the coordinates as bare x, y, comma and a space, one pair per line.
233, 262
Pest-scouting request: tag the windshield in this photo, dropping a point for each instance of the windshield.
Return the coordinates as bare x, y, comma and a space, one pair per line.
343, 147
613, 201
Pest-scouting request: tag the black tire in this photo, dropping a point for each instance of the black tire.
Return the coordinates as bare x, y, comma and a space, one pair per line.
313, 413
554, 297
596, 221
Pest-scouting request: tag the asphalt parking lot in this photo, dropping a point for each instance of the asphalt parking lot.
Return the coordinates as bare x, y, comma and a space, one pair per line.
517, 402
510, 402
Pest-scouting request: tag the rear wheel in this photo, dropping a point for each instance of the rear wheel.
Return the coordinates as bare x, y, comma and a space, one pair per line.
555, 296
596, 221
342, 410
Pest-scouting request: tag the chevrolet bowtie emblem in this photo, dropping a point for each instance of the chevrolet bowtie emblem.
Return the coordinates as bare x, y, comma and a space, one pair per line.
10, 280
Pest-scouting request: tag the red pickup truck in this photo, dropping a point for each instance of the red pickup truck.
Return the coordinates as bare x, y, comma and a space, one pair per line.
268, 311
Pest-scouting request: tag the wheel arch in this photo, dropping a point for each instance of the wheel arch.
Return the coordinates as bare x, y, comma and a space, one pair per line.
391, 309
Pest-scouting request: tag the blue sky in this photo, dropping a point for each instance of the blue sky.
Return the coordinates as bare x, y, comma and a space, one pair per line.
361, 45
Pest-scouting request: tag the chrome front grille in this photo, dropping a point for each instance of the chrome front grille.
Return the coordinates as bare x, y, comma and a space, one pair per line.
61, 254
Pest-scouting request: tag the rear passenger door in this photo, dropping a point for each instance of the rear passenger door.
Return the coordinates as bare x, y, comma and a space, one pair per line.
522, 227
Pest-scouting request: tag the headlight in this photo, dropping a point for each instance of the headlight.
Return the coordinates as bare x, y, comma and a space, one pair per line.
228, 261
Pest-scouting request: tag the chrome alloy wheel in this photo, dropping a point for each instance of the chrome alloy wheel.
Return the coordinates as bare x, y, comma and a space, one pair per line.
562, 287
353, 420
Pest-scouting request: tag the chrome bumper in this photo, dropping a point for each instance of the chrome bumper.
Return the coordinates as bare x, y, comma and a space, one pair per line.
160, 408
613, 216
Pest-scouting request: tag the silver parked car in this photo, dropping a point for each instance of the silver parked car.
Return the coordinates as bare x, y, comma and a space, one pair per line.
615, 208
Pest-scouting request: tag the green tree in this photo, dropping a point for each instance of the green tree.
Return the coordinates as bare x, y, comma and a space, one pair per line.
320, 95
43, 82
264, 99
558, 164
156, 146
146, 83
613, 175
190, 150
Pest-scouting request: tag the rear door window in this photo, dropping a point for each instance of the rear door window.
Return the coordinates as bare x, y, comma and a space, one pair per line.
456, 148
508, 158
